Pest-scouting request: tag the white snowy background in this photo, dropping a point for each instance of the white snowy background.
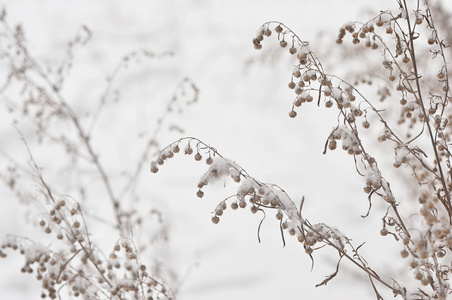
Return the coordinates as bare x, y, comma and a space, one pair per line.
242, 111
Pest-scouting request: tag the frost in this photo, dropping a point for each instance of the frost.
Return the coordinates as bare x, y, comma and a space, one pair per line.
34, 252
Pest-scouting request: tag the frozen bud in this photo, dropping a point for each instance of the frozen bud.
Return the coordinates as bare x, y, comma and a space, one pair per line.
188, 150
236, 178
154, 168
215, 220
200, 193
332, 145
175, 149
201, 184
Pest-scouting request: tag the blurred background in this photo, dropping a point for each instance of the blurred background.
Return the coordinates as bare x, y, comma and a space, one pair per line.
241, 110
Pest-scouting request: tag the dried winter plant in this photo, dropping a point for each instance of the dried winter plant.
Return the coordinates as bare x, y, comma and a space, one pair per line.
112, 254
412, 119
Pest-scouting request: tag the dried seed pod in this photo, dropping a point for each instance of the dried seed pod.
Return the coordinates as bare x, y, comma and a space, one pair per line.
292, 114
198, 156
215, 220
200, 193
292, 50
188, 150
283, 43
278, 29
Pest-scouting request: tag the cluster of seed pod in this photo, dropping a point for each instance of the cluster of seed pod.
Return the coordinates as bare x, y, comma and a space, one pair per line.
257, 195
308, 80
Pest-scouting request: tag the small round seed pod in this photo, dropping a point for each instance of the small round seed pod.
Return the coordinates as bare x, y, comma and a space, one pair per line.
267, 32
279, 215
200, 193
418, 20
292, 50
242, 204
291, 85
389, 30
215, 220
339, 41
254, 209
278, 29
431, 41
188, 150
292, 114
258, 46
366, 124
374, 46
328, 103
379, 23
154, 168
175, 149
384, 232
209, 160
198, 156
283, 44
234, 205
332, 145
